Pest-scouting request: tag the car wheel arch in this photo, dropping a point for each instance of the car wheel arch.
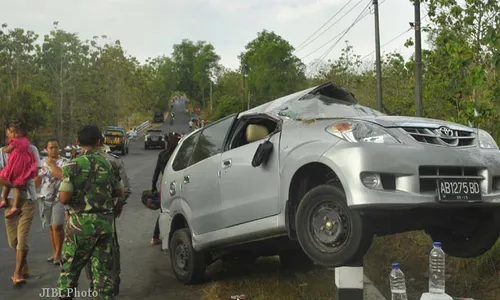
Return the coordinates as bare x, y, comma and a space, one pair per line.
179, 221
301, 182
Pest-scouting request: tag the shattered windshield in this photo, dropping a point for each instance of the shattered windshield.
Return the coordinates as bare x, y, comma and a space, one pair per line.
324, 107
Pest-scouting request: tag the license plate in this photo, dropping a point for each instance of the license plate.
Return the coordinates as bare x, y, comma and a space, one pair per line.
154, 139
459, 190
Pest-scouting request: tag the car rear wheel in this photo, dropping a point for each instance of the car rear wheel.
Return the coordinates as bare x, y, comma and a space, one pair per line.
328, 231
469, 235
187, 263
146, 147
123, 151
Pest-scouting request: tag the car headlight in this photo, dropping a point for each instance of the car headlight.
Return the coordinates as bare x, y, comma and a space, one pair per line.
361, 132
486, 141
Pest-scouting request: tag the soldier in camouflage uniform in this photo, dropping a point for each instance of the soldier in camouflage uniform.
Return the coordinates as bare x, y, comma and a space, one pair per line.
116, 246
89, 186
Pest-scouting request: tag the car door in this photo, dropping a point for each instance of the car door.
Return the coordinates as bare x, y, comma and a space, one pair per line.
201, 178
249, 193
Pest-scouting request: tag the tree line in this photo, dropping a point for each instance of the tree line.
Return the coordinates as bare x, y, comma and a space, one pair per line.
58, 82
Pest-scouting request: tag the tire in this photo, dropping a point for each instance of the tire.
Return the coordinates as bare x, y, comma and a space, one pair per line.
353, 239
146, 147
127, 149
181, 254
123, 151
296, 258
482, 236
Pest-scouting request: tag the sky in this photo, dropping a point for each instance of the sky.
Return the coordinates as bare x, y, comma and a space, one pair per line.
149, 28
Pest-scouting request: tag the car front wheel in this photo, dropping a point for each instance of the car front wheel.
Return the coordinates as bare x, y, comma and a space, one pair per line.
469, 235
328, 231
187, 263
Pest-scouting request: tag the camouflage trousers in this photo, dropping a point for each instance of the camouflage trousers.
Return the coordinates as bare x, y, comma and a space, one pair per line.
115, 272
77, 251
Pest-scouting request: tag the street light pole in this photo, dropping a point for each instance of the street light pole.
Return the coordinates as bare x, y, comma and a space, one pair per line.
418, 61
377, 56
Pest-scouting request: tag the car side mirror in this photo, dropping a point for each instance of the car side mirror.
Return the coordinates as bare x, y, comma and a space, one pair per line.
262, 154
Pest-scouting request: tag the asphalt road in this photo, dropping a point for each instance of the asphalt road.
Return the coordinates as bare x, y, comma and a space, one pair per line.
146, 273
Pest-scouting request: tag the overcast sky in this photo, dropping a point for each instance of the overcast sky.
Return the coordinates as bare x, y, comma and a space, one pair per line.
149, 28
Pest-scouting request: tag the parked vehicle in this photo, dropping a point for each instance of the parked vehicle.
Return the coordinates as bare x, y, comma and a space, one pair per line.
316, 173
158, 117
116, 138
154, 138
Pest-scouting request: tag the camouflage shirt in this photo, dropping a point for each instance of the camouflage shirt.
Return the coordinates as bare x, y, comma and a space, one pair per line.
91, 210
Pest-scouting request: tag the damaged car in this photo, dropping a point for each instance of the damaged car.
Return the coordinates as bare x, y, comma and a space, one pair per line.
314, 176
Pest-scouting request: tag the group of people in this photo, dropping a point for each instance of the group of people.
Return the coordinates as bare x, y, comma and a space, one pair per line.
78, 199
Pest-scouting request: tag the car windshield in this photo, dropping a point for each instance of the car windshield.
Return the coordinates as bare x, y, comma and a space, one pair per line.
323, 107
113, 133
154, 133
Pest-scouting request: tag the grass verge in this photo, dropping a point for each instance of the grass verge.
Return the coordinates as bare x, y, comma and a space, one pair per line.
265, 280
477, 278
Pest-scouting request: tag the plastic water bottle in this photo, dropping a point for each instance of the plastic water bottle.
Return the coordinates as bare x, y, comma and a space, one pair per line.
436, 270
398, 283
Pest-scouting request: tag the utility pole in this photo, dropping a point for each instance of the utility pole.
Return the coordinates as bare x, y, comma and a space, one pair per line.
248, 100
377, 56
418, 61
211, 99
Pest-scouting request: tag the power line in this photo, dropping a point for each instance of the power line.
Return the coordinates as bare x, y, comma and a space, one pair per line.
392, 40
356, 21
361, 16
324, 24
352, 8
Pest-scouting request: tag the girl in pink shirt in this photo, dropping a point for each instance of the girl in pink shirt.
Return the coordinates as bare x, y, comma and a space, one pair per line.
21, 167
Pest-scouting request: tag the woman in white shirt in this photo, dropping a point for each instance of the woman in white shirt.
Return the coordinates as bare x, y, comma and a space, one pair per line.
51, 209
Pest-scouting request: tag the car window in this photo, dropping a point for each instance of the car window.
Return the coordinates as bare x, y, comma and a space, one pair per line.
181, 160
114, 133
211, 140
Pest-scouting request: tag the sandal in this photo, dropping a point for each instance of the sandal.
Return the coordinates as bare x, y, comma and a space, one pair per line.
17, 281
50, 259
3, 204
13, 213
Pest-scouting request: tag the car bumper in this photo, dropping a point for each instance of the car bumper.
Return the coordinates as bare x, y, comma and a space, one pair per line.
402, 173
154, 143
116, 147
164, 223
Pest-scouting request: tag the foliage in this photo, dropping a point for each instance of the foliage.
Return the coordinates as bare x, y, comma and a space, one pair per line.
273, 71
61, 82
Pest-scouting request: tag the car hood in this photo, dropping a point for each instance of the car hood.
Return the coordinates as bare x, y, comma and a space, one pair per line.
401, 121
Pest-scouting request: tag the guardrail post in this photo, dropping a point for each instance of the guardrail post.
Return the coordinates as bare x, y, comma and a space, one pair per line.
349, 281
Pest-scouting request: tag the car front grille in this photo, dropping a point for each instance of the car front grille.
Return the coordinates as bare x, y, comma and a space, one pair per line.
429, 175
442, 136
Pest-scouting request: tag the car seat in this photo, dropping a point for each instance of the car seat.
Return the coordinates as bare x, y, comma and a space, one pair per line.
256, 132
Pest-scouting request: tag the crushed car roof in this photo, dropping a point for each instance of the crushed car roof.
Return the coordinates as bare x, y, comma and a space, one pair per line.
328, 89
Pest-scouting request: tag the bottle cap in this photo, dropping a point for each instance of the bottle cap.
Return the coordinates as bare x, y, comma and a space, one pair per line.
437, 244
395, 265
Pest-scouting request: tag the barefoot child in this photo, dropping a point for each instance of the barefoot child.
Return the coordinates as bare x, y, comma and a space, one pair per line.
21, 167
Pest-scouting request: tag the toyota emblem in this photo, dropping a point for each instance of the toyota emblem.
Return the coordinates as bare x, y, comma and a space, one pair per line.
445, 131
